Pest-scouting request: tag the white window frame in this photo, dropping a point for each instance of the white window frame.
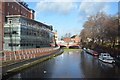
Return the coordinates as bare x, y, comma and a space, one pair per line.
8, 4
8, 13
12, 6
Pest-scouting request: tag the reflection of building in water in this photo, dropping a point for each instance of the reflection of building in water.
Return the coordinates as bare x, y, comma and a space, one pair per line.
24, 33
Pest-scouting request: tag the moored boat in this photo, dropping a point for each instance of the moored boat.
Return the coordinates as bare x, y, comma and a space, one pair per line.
105, 57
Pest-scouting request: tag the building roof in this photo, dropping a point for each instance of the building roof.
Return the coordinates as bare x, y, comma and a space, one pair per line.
24, 4
73, 36
40, 23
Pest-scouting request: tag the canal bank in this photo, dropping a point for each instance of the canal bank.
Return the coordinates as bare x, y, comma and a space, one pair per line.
15, 68
70, 64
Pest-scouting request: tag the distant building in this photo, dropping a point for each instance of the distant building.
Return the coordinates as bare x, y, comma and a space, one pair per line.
56, 36
76, 39
67, 40
24, 33
71, 41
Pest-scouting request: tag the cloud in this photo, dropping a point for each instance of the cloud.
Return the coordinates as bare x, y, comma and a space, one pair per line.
58, 6
100, 0
91, 8
86, 8
65, 0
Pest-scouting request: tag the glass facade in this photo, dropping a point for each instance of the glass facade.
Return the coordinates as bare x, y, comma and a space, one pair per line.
24, 33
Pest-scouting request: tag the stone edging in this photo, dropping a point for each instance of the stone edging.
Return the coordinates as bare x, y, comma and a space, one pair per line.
20, 68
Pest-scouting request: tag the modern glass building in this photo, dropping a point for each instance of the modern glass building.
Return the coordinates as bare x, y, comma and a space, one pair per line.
24, 33
12, 7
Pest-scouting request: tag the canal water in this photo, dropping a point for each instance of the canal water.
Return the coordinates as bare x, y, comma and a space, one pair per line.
71, 64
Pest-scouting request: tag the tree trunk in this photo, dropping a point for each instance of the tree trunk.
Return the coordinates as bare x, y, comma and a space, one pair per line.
113, 44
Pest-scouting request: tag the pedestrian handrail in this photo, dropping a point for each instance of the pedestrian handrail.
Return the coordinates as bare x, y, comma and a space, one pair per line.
56, 48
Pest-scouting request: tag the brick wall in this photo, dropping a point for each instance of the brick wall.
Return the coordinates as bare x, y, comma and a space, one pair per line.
1, 24
27, 53
15, 8
11, 8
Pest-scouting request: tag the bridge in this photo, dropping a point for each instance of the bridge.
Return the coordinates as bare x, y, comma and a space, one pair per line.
67, 45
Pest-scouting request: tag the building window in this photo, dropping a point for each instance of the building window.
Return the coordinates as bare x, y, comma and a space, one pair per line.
10, 21
10, 44
8, 4
18, 10
8, 13
12, 6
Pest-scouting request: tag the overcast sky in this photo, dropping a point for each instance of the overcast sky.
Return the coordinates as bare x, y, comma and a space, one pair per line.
69, 15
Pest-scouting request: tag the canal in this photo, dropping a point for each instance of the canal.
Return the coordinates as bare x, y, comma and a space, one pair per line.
71, 64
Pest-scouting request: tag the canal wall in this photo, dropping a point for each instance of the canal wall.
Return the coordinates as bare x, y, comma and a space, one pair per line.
25, 54
12, 69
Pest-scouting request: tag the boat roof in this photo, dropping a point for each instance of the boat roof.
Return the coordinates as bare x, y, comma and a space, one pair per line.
104, 53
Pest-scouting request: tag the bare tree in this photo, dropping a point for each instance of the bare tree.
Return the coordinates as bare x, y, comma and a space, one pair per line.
101, 29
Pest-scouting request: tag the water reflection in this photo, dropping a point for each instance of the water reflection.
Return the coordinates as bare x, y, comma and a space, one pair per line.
93, 68
71, 64
105, 65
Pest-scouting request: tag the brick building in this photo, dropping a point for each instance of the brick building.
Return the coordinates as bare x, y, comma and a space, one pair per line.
76, 39
2, 17
14, 7
18, 8
72, 41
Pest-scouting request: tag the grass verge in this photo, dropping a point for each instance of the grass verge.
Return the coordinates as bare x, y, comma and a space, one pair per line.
66, 49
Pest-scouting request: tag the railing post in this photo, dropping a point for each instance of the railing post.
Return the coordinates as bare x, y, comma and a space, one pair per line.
19, 55
4, 56
15, 55
23, 54
10, 56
